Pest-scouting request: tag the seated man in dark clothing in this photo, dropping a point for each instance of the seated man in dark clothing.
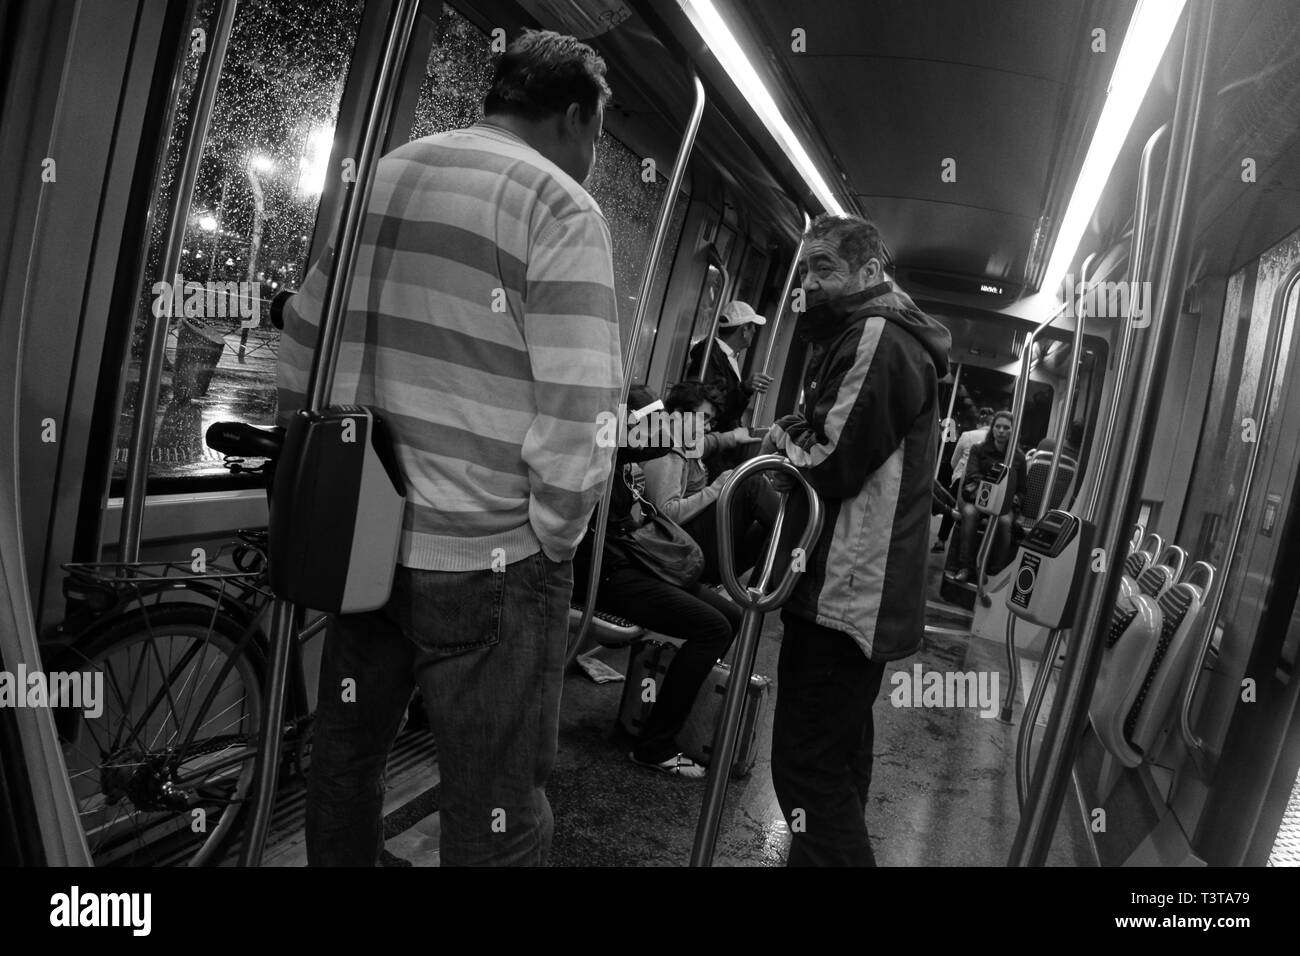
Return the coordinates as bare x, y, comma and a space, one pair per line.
737, 325
705, 619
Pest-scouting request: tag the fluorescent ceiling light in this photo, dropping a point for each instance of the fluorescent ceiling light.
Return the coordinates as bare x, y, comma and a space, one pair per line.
709, 23
1144, 47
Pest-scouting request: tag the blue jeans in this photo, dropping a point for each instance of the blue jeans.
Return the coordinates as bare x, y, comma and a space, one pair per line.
487, 649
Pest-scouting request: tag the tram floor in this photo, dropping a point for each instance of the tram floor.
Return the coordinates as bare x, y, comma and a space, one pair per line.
942, 793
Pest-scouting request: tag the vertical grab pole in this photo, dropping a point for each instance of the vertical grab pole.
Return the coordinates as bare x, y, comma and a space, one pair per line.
642, 306
285, 614
1170, 259
142, 428
717, 313
756, 602
1136, 268
1076, 361
952, 404
781, 309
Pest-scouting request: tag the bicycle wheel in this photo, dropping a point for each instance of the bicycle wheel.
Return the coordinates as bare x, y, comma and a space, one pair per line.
162, 773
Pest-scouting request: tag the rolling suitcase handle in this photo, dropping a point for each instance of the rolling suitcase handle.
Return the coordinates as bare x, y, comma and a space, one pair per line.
756, 601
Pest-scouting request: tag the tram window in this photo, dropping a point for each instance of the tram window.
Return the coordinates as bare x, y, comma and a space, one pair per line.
1221, 455
457, 77
253, 211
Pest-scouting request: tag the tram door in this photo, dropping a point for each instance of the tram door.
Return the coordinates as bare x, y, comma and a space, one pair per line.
1229, 793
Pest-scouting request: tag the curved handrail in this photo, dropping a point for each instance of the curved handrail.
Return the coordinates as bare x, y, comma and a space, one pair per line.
142, 427
1136, 264
1209, 575
1160, 545
755, 601
1180, 556
757, 597
1263, 400
642, 307
1029, 719
1135, 540
782, 308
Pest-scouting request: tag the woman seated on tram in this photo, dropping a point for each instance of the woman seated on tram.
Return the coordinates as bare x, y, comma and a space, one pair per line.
678, 485
990, 451
706, 620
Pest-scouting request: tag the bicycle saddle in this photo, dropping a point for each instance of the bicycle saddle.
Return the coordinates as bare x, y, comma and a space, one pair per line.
240, 440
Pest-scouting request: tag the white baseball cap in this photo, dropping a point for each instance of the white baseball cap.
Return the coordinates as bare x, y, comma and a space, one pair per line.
737, 313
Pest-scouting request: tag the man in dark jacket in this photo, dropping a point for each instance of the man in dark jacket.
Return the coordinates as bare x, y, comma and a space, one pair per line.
737, 325
866, 440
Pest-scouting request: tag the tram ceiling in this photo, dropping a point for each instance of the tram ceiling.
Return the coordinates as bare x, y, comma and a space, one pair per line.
889, 91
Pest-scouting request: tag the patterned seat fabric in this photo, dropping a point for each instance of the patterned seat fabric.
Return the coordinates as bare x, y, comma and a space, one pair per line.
1173, 608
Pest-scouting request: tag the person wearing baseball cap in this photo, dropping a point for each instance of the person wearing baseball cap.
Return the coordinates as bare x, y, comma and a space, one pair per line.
736, 328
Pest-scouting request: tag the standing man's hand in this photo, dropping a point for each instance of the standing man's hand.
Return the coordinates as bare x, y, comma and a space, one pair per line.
758, 382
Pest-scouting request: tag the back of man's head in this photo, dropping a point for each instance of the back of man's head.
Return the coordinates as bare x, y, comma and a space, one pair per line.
542, 73
986, 416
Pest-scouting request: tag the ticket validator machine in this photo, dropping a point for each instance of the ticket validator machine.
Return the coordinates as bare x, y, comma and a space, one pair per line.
993, 496
1048, 575
1049, 569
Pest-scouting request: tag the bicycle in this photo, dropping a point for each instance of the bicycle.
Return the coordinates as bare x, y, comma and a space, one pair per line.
163, 774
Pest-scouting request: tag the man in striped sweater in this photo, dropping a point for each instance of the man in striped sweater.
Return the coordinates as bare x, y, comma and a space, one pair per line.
866, 439
482, 325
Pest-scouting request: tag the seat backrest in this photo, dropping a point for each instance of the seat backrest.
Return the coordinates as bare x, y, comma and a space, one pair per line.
1164, 676
1164, 572
1036, 471
1125, 660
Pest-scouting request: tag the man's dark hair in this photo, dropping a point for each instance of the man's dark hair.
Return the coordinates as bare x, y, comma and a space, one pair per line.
689, 396
856, 239
986, 415
542, 72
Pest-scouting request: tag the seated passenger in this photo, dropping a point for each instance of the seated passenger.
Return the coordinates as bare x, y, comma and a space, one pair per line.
982, 456
706, 620
960, 454
678, 485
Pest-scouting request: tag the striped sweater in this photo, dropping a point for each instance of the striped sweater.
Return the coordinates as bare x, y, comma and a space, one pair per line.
481, 324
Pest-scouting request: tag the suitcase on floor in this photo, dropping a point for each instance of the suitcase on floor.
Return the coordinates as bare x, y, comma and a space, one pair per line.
696, 737
649, 661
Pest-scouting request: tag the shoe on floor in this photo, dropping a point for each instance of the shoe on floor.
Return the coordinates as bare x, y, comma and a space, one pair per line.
939, 547
678, 765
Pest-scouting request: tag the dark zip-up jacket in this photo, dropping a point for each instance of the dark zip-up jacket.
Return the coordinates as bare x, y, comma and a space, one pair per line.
866, 441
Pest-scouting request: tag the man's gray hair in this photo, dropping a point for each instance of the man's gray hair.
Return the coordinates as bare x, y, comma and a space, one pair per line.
857, 239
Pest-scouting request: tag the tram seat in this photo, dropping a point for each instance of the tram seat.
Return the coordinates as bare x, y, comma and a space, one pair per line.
1164, 573
1036, 472
1145, 667
1168, 673
1130, 645
608, 630
1138, 560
